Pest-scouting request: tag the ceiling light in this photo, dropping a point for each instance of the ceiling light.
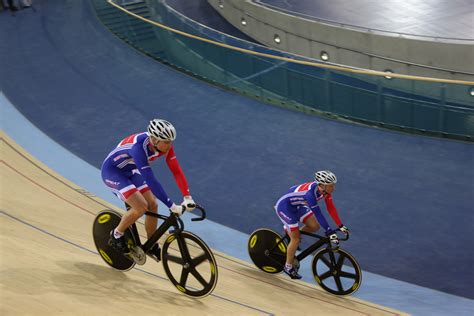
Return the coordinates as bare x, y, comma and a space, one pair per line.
471, 91
388, 71
324, 56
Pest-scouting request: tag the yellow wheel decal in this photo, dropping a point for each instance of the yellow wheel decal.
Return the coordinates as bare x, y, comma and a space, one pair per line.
170, 239
269, 269
253, 241
281, 245
179, 287
103, 219
105, 256
355, 285
317, 279
213, 269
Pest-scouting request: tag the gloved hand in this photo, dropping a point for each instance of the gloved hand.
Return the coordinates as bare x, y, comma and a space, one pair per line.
177, 209
188, 203
344, 229
334, 240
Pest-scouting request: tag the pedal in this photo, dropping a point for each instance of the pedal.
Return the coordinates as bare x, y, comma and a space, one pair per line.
138, 255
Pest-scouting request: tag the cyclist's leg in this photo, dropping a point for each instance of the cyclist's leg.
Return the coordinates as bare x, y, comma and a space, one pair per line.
289, 218
152, 206
292, 246
120, 182
310, 223
138, 207
305, 214
150, 221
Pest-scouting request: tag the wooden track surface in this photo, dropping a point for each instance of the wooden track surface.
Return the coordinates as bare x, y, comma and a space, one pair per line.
49, 265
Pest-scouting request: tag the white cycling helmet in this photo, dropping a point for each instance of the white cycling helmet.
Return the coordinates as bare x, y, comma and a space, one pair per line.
161, 129
325, 177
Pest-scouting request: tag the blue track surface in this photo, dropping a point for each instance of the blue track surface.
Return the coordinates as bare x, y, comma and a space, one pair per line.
377, 289
407, 199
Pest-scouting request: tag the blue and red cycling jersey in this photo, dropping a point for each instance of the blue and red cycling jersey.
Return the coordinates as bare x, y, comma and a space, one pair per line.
300, 202
127, 170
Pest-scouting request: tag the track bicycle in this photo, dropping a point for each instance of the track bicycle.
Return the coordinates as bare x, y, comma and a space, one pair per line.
333, 268
188, 262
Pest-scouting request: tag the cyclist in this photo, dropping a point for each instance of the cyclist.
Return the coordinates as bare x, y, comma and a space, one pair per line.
127, 172
300, 204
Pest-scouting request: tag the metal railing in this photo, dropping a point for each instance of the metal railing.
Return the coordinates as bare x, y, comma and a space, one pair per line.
427, 105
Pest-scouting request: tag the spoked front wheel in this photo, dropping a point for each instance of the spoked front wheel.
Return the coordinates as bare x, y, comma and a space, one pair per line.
267, 250
189, 264
336, 271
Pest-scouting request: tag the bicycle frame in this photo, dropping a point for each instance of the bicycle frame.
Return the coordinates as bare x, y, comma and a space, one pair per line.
322, 240
315, 246
169, 221
182, 252
333, 268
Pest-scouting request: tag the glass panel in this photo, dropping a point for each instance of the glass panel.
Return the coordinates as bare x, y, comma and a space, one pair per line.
443, 108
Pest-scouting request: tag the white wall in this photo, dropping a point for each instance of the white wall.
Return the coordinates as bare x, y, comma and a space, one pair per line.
351, 47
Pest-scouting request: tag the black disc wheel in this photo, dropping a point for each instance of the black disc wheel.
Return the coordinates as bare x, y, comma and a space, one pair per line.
189, 264
267, 250
336, 271
104, 222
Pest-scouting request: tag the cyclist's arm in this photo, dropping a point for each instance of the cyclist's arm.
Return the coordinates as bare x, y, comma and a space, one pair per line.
178, 174
143, 166
332, 209
313, 205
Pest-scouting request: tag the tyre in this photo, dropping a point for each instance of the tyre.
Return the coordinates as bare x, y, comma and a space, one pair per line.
189, 264
104, 222
336, 271
267, 250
